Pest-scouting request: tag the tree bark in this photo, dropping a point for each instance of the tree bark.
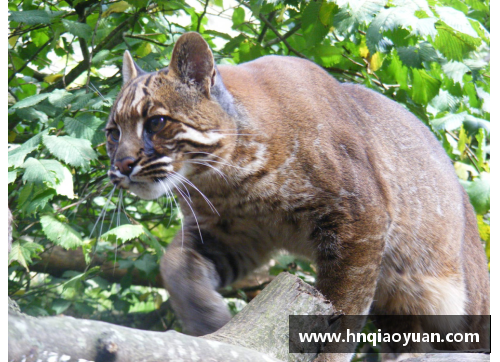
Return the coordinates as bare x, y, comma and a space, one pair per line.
261, 326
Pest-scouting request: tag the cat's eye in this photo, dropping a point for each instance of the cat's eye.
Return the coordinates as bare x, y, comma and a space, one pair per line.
114, 135
155, 124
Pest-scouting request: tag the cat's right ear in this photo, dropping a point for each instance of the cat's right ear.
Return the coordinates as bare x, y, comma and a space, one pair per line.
192, 62
130, 70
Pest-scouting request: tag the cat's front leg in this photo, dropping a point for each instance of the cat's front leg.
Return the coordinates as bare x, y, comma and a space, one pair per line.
191, 280
348, 271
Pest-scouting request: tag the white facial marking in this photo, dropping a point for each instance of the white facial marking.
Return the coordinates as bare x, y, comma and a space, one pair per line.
139, 129
139, 94
191, 134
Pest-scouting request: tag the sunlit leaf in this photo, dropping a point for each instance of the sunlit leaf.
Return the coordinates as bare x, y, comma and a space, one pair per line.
74, 151
124, 233
60, 233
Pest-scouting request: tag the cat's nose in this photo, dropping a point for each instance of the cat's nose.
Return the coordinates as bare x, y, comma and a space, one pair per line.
125, 165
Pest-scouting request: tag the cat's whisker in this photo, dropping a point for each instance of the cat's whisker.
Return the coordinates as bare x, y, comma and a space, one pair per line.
114, 212
212, 167
120, 196
190, 207
102, 215
182, 179
103, 211
227, 164
172, 197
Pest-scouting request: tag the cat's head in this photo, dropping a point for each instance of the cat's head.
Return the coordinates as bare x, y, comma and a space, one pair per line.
163, 121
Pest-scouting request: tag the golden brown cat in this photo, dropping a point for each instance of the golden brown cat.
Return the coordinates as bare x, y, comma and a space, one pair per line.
276, 154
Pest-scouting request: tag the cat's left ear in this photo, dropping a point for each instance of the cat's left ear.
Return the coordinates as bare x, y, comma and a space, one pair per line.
193, 62
130, 70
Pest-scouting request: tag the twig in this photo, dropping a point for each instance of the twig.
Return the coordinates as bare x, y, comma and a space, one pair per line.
30, 59
286, 35
275, 31
92, 45
265, 27
146, 39
468, 152
200, 18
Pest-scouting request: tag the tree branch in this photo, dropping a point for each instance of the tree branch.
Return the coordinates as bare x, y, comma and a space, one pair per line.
250, 336
109, 42
35, 54
200, 18
146, 39
282, 38
286, 35
89, 58
265, 27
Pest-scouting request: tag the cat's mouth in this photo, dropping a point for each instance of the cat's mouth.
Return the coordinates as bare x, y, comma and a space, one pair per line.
145, 189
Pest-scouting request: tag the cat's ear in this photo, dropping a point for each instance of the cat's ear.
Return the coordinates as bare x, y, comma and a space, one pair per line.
130, 70
193, 62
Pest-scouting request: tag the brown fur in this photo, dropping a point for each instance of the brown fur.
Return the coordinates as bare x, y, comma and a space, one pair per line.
291, 159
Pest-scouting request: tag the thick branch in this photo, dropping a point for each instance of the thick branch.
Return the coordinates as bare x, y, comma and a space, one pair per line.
58, 260
262, 325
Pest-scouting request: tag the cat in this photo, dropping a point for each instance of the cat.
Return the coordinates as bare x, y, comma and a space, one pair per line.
275, 154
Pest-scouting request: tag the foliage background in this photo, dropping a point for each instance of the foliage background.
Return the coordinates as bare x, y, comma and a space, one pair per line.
64, 73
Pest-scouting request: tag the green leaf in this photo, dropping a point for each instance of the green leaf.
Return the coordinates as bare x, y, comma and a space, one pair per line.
65, 185
463, 141
425, 87
444, 102
17, 155
387, 19
238, 17
81, 100
399, 71
146, 263
30, 101
455, 70
60, 305
481, 144
83, 126
38, 200
455, 45
456, 20
101, 56
327, 55
12, 176
326, 12
449, 122
124, 233
81, 30
60, 98
40, 171
34, 17
479, 193
313, 28
150, 239
60, 233
23, 252
32, 114
414, 56
76, 152
363, 11
473, 125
